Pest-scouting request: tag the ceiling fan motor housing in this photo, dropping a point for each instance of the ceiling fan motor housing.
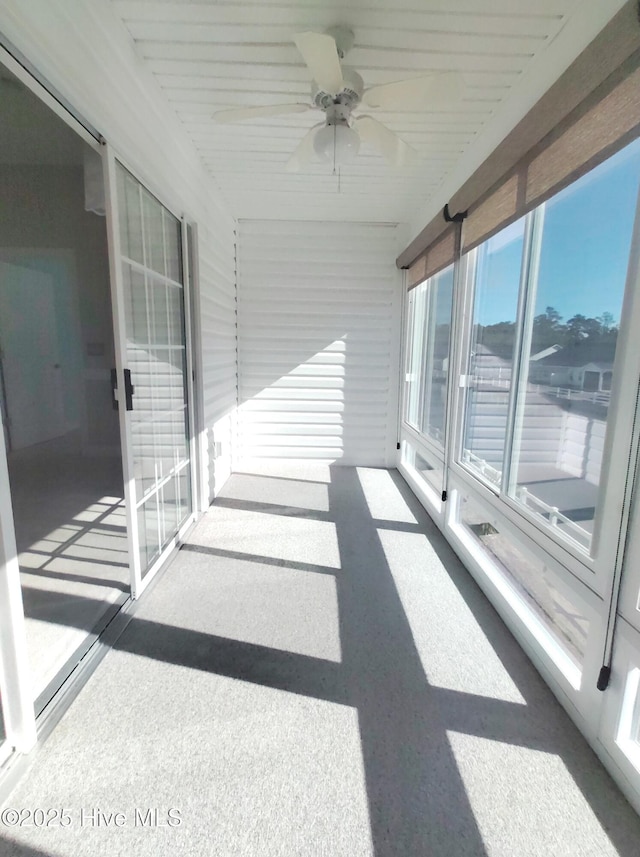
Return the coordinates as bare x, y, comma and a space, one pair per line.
350, 95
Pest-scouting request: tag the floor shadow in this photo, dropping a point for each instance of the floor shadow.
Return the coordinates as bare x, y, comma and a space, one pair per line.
78, 578
69, 610
261, 560
71, 540
299, 479
272, 509
543, 718
418, 804
10, 848
417, 800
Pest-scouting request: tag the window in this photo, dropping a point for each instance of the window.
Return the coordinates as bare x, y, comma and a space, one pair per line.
428, 335
495, 271
415, 344
575, 293
428, 467
547, 301
439, 292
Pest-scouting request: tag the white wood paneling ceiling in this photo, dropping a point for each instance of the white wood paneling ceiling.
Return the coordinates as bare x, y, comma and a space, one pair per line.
209, 56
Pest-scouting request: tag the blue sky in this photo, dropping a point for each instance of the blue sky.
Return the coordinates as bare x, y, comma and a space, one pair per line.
586, 240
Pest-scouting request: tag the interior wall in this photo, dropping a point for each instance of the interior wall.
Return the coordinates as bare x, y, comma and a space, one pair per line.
319, 309
45, 228
84, 51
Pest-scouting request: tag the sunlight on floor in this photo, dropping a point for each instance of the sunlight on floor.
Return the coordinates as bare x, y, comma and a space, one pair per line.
513, 791
71, 577
455, 655
383, 498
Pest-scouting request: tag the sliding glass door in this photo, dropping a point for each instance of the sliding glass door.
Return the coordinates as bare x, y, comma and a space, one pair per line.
151, 385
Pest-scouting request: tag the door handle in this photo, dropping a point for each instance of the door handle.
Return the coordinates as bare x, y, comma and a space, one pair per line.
129, 390
114, 389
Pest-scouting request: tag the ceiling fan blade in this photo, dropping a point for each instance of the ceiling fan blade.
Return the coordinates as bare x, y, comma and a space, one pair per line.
419, 93
320, 53
304, 153
239, 114
396, 151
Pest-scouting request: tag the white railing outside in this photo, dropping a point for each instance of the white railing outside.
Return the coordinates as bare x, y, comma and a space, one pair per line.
491, 473
595, 397
554, 516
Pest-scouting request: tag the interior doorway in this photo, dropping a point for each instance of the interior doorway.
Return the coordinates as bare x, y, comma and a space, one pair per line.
30, 356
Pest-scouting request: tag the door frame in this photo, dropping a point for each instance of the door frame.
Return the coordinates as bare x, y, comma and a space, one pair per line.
17, 702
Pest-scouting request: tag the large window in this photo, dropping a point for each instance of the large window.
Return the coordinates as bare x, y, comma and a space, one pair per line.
429, 330
548, 293
575, 296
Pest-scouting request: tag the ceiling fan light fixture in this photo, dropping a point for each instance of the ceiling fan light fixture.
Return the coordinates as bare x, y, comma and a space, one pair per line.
337, 144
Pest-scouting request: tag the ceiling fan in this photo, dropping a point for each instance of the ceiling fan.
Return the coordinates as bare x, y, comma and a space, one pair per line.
338, 91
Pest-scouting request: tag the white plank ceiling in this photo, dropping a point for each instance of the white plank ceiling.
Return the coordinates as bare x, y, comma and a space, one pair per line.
208, 56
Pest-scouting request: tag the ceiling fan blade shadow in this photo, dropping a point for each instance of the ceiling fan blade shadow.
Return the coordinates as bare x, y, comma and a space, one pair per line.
304, 153
418, 93
241, 114
320, 53
386, 142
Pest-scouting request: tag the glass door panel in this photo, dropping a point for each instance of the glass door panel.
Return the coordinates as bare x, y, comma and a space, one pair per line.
61, 459
155, 355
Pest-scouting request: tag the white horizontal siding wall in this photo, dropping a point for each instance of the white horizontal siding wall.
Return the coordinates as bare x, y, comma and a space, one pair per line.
85, 52
582, 446
319, 308
218, 325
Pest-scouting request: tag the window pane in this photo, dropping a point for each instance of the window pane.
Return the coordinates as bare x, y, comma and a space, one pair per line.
149, 532
172, 243
427, 467
533, 581
153, 233
129, 216
436, 364
158, 309
563, 409
497, 283
415, 338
